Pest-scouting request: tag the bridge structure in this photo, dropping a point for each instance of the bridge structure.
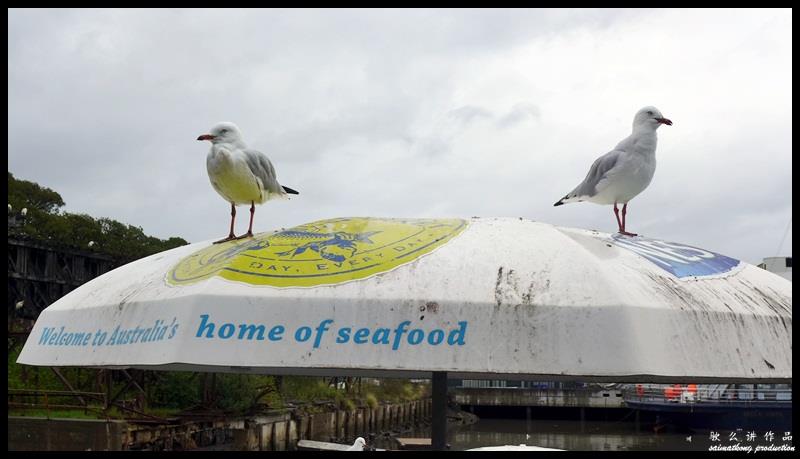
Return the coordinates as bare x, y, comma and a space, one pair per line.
40, 273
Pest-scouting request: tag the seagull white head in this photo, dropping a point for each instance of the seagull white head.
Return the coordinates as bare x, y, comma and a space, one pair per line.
225, 132
359, 444
649, 117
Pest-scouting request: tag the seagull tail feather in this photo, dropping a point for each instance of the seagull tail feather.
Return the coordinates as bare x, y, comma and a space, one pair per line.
289, 190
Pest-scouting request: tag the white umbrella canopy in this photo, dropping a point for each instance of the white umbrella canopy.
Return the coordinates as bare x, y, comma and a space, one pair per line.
486, 297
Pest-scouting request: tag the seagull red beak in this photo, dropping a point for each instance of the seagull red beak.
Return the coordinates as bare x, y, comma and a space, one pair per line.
664, 121
206, 137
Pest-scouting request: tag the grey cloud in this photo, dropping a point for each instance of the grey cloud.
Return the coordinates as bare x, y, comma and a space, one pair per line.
469, 113
519, 113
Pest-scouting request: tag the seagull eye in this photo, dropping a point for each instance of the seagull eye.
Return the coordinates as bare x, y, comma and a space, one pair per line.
225, 130
648, 112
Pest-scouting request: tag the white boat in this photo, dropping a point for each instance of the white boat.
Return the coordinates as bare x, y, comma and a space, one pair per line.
522, 447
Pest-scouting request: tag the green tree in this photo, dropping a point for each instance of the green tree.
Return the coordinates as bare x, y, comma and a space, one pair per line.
46, 222
30, 195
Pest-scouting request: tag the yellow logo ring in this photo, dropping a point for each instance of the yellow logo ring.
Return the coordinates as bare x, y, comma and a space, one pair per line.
320, 253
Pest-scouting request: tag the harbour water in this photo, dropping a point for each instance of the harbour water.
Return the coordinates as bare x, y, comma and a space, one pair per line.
603, 435
568, 435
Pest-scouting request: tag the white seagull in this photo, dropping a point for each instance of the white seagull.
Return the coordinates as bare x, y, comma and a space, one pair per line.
358, 445
239, 174
24, 211
624, 172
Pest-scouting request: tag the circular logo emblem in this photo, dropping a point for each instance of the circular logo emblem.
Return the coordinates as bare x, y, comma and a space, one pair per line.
319, 253
678, 259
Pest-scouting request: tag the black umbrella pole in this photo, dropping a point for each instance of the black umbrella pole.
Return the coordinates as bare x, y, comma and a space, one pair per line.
439, 411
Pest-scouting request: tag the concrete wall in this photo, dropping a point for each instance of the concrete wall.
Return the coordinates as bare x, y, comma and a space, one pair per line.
279, 432
183, 436
40, 434
336, 426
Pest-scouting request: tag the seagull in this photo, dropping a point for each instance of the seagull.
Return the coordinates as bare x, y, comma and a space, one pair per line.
358, 445
10, 208
239, 174
624, 172
91, 243
19, 305
24, 211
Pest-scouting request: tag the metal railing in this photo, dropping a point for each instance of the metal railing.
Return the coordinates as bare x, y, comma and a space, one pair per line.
95, 402
30, 399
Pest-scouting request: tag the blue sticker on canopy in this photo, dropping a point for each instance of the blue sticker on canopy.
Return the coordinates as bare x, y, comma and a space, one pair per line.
678, 259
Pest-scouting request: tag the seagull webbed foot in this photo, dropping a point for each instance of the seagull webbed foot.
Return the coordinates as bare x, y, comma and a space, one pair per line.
230, 237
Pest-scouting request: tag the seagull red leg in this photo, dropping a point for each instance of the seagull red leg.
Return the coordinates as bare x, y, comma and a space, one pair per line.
252, 213
616, 214
230, 235
250, 228
625, 211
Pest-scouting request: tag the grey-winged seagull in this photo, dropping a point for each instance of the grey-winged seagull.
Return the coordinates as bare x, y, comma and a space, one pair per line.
358, 445
239, 174
624, 172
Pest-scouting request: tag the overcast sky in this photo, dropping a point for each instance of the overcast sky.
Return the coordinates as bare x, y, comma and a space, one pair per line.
409, 113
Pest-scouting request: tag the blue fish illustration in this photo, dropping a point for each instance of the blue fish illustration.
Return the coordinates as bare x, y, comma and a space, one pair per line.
335, 247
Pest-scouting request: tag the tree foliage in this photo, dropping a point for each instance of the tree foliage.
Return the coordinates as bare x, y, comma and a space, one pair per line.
46, 222
25, 194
